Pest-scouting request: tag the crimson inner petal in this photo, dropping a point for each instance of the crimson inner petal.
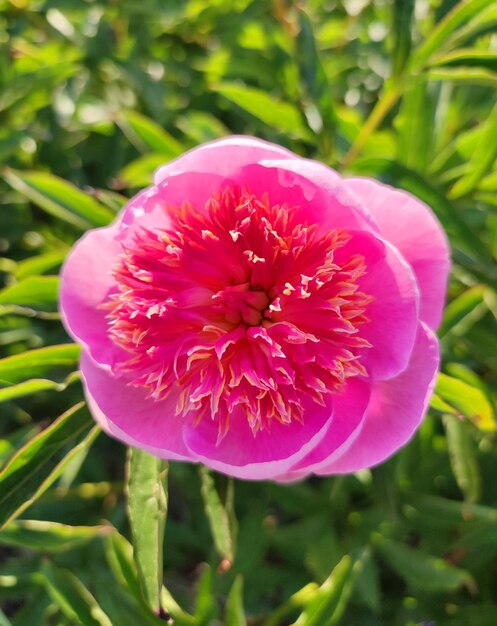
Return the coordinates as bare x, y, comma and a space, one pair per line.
240, 309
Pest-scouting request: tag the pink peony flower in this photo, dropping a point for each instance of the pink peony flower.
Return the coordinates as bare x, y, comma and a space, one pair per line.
255, 312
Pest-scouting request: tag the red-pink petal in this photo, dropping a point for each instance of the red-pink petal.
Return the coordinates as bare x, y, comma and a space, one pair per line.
412, 227
395, 411
269, 454
127, 414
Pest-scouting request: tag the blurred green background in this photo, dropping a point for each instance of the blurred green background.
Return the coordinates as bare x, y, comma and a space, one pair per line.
93, 97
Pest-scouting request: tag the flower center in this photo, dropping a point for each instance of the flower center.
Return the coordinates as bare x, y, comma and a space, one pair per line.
239, 310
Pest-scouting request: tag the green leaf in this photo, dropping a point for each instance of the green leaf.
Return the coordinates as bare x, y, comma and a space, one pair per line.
464, 311
37, 292
278, 115
484, 154
328, 605
401, 34
147, 509
467, 400
33, 610
33, 386
147, 135
218, 514
470, 75
40, 264
3, 619
41, 363
205, 605
315, 84
468, 57
462, 458
72, 597
33, 469
422, 571
234, 614
464, 11
140, 172
59, 198
48, 536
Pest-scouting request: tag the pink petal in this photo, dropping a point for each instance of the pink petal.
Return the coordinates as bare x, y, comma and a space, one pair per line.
86, 280
223, 157
124, 412
393, 313
396, 409
262, 457
348, 414
412, 227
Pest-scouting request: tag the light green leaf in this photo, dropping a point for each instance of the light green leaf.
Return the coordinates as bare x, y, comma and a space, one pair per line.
33, 386
147, 135
327, 606
40, 264
401, 34
484, 155
37, 292
315, 84
462, 458
466, 400
422, 571
464, 11
147, 510
218, 514
279, 115
205, 605
469, 75
235, 615
59, 198
140, 172
464, 310
41, 363
72, 597
3, 619
33, 469
48, 536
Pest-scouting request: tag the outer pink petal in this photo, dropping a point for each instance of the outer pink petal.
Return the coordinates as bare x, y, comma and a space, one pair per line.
412, 227
86, 280
395, 411
349, 409
124, 412
223, 157
265, 456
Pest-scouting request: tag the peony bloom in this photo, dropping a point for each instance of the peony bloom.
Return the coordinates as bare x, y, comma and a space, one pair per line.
255, 312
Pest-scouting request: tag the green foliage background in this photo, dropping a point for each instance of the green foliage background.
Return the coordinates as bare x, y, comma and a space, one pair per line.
94, 95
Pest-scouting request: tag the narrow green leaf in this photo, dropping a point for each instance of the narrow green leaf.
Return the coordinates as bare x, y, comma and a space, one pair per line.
41, 363
147, 135
33, 611
205, 606
40, 264
422, 571
59, 198
317, 91
218, 516
484, 155
401, 34
469, 75
462, 458
235, 614
36, 385
48, 536
466, 400
327, 607
468, 57
72, 597
281, 116
451, 512
33, 469
140, 172
37, 292
147, 509
462, 308
4, 621
464, 11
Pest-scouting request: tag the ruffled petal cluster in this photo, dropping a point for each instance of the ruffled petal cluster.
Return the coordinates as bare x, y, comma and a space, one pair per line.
256, 312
